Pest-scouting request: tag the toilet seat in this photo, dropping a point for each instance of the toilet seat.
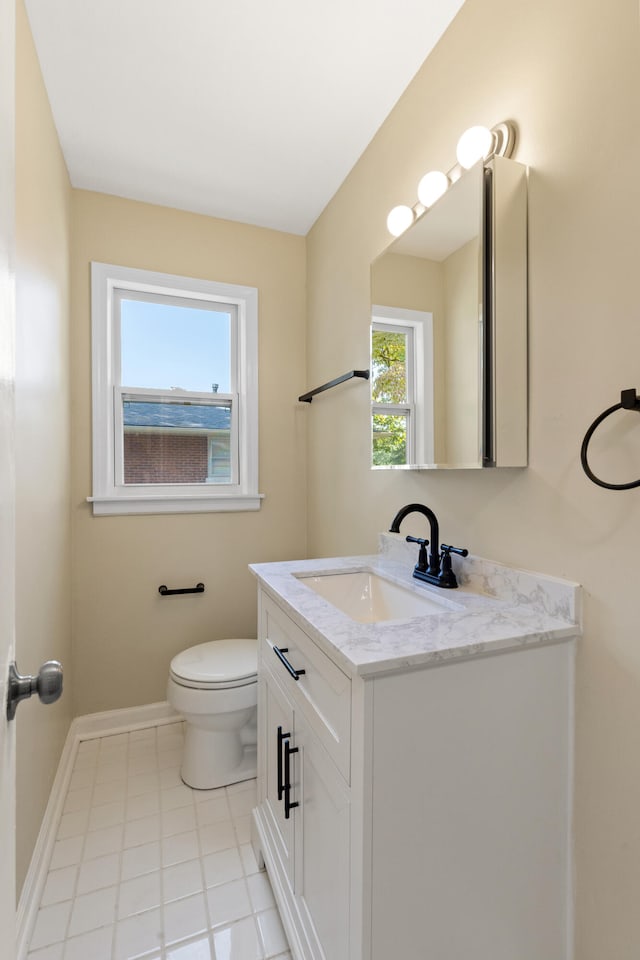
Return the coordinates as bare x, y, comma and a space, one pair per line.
217, 665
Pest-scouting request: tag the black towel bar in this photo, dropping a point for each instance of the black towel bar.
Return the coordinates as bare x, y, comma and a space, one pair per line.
308, 397
165, 592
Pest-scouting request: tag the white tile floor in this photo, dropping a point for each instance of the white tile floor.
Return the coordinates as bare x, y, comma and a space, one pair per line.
143, 866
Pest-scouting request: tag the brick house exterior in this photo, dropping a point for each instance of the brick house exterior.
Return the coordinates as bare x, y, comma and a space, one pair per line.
162, 458
176, 443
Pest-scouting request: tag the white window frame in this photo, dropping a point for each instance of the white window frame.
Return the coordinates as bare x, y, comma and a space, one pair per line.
419, 407
111, 496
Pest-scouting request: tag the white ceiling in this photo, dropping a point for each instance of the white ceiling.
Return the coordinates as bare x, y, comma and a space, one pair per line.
249, 110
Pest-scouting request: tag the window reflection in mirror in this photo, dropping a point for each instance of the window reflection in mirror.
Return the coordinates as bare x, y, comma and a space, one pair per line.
391, 394
401, 398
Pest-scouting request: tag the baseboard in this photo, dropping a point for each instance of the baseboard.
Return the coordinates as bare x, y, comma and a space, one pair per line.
36, 874
87, 727
110, 722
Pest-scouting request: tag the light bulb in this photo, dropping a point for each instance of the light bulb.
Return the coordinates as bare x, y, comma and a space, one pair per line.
399, 219
474, 144
432, 186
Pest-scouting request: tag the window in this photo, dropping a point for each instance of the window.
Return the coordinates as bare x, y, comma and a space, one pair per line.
401, 387
392, 393
175, 394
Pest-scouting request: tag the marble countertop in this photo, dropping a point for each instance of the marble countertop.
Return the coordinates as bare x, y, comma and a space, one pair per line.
495, 609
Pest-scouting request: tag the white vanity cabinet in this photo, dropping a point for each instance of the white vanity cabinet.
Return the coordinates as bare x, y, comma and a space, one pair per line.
429, 806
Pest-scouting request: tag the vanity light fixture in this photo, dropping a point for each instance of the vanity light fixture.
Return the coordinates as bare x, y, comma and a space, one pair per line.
431, 187
399, 220
475, 144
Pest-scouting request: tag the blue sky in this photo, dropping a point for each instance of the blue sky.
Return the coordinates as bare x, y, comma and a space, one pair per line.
166, 346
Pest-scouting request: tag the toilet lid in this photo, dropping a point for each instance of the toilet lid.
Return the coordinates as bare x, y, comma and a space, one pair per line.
219, 662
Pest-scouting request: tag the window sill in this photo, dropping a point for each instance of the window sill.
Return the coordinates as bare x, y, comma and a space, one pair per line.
214, 503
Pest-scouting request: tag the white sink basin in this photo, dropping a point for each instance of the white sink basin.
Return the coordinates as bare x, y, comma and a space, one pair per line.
368, 598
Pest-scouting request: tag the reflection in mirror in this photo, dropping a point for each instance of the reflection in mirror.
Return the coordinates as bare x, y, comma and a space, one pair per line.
434, 336
392, 392
401, 386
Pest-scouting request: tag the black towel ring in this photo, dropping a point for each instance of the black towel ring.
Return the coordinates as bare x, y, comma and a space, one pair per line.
628, 401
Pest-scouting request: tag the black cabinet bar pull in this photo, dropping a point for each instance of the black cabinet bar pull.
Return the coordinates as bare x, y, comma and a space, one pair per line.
281, 739
288, 806
164, 591
280, 654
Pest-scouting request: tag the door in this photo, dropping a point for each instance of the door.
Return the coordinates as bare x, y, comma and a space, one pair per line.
322, 846
7, 495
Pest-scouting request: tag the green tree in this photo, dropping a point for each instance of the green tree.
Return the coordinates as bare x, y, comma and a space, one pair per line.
389, 367
389, 385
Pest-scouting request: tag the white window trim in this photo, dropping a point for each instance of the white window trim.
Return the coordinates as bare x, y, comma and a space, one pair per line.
420, 434
111, 498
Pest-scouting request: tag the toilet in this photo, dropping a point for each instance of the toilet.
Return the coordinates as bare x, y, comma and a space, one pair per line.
215, 687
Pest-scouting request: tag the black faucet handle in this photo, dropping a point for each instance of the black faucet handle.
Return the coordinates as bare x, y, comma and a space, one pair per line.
461, 551
447, 576
423, 560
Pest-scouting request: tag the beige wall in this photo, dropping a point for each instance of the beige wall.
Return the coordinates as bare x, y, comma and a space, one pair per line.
569, 75
125, 634
43, 562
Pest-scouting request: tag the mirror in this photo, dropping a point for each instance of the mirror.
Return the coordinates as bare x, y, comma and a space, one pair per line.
448, 330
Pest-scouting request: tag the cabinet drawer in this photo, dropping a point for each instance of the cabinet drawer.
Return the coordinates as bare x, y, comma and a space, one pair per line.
322, 692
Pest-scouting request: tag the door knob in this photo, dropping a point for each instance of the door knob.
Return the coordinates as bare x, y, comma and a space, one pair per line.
47, 684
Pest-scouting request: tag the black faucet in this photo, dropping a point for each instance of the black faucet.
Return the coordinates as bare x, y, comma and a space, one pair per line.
434, 535
436, 568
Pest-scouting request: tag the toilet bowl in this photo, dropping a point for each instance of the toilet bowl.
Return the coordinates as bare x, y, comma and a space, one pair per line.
215, 687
